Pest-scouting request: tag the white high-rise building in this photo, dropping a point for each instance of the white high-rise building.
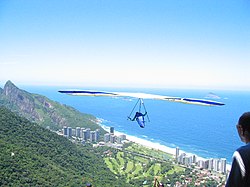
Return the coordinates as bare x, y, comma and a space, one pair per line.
65, 131
97, 135
194, 159
106, 137
177, 152
201, 163
69, 132
223, 167
216, 163
78, 132
73, 132
187, 160
88, 133
112, 138
81, 132
206, 164
210, 164
92, 136
85, 135
181, 157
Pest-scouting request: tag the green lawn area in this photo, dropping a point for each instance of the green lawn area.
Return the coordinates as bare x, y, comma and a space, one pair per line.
129, 167
110, 165
157, 169
120, 156
138, 168
138, 164
176, 169
130, 164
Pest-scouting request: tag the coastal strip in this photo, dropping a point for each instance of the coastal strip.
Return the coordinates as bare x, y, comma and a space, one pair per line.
157, 146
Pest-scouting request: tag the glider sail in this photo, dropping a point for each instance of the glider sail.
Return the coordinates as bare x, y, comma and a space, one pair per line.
143, 96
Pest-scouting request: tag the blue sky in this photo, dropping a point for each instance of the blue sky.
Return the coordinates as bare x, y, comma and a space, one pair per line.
126, 43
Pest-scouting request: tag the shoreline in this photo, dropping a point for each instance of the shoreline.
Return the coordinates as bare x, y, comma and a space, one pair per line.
153, 145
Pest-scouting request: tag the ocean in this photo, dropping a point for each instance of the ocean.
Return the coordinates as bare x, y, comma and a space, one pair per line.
208, 132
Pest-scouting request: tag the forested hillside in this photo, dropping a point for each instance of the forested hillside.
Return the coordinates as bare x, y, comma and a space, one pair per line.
45, 112
33, 156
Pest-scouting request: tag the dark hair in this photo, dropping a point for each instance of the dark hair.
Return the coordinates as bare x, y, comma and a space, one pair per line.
244, 121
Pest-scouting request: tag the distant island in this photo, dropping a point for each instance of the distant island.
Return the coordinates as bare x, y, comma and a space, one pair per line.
46, 143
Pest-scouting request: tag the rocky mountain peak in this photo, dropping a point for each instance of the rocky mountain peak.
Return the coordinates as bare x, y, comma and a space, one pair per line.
22, 100
9, 88
40, 109
9, 83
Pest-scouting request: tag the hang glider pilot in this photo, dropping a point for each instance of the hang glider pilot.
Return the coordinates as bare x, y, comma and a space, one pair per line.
139, 117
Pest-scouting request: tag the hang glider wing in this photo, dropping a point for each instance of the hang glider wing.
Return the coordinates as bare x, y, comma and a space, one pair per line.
143, 96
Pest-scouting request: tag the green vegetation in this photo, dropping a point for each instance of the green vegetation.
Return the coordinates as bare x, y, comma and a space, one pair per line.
33, 156
139, 164
43, 111
157, 154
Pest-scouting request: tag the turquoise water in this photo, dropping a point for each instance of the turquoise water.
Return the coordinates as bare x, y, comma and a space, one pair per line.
208, 132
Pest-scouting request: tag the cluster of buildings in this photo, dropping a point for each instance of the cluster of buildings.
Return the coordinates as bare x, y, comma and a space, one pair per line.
81, 133
217, 165
85, 134
112, 138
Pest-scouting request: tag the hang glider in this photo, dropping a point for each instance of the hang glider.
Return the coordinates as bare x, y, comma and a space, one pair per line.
143, 96
139, 116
